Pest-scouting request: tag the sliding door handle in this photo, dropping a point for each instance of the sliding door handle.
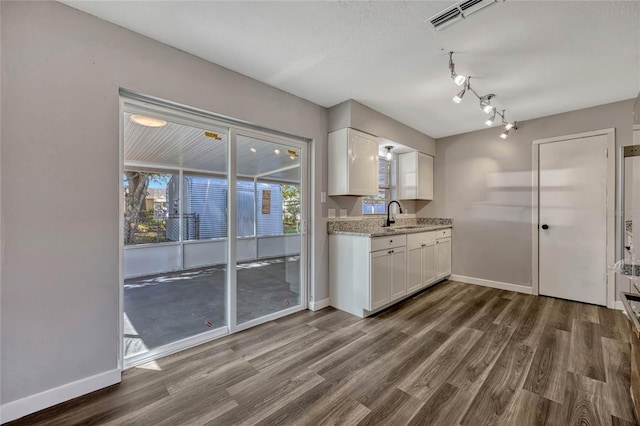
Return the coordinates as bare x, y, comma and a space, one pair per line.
545, 226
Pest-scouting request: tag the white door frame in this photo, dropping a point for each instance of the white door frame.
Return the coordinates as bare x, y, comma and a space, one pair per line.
611, 198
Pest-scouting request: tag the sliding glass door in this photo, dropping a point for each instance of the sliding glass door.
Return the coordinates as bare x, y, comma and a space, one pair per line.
213, 235
270, 176
174, 232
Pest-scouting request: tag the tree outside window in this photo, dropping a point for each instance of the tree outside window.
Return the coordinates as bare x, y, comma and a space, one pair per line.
145, 209
291, 209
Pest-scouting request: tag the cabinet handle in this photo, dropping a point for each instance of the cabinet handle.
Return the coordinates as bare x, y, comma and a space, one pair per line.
390, 241
437, 242
390, 251
424, 245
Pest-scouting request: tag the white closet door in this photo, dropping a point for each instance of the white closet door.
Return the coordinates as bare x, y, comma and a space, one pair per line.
572, 218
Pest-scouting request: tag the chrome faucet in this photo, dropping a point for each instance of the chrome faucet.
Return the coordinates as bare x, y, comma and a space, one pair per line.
389, 221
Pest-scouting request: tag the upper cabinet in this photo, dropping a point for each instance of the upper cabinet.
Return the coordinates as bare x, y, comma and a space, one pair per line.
415, 176
353, 163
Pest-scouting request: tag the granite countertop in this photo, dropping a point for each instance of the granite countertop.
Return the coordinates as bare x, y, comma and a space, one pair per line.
373, 227
381, 232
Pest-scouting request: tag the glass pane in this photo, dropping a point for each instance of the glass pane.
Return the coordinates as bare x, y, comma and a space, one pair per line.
204, 207
175, 233
268, 265
375, 204
145, 207
245, 213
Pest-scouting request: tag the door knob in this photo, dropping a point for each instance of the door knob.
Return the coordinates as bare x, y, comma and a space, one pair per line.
545, 226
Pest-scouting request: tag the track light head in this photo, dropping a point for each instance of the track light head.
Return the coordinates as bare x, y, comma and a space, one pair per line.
458, 98
509, 126
504, 134
485, 103
490, 121
457, 78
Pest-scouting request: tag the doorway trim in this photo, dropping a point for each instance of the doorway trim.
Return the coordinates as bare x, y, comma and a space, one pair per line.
610, 208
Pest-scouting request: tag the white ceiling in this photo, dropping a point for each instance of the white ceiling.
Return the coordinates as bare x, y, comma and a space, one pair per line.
539, 57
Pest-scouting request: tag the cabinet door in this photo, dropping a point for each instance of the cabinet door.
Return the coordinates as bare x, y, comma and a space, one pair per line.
443, 253
398, 269
425, 177
362, 164
379, 285
428, 263
414, 268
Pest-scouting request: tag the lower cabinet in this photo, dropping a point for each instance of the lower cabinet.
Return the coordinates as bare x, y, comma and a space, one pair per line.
367, 274
443, 250
388, 276
421, 264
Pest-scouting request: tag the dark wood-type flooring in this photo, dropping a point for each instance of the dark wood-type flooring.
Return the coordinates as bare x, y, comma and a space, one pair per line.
455, 354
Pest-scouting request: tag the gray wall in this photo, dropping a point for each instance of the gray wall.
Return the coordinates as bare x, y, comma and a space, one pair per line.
484, 183
61, 72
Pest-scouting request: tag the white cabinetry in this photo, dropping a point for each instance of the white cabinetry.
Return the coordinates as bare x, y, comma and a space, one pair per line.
443, 253
388, 276
415, 176
421, 260
398, 273
366, 273
353, 163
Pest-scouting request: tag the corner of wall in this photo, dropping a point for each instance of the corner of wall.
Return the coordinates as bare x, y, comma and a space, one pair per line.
339, 116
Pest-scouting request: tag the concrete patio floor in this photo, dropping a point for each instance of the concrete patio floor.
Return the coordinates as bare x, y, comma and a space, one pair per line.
164, 308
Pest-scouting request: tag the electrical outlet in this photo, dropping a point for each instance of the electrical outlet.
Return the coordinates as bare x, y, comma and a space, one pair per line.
323, 197
332, 213
343, 212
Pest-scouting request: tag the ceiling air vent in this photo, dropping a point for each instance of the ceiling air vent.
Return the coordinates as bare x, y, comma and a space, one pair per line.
456, 12
445, 18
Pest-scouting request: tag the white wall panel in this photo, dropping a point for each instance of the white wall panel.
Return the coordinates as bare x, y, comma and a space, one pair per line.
278, 246
205, 253
152, 259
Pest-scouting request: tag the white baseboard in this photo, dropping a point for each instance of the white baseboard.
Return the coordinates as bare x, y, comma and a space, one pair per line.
494, 284
319, 304
19, 408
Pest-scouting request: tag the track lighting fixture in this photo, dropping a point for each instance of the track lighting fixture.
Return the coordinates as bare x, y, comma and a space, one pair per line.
485, 100
485, 103
490, 121
507, 126
458, 98
388, 155
457, 78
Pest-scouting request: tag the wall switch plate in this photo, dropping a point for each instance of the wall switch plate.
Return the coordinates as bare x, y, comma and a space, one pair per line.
332, 213
323, 197
343, 212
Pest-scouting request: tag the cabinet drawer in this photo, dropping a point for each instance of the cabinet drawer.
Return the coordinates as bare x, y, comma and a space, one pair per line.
381, 243
443, 233
417, 240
